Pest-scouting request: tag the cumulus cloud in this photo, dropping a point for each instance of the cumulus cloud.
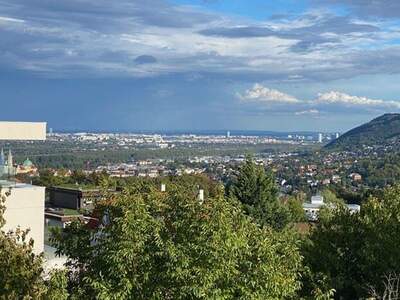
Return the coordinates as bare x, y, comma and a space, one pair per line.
268, 99
335, 97
261, 94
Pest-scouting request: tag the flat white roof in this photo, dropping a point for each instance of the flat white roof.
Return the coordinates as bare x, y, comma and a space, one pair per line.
16, 185
313, 205
29, 131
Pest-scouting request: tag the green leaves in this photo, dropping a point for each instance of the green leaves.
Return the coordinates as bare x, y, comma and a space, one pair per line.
356, 251
169, 246
257, 191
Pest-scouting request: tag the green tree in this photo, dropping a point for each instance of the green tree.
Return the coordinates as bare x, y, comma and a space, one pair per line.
46, 178
295, 207
356, 251
155, 245
57, 286
257, 191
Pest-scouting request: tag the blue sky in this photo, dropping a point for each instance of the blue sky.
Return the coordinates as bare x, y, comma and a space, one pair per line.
325, 65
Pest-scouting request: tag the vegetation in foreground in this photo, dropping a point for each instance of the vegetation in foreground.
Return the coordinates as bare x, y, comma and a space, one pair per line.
154, 245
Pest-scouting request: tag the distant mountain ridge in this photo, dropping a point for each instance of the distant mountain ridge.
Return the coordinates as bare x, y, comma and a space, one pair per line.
382, 130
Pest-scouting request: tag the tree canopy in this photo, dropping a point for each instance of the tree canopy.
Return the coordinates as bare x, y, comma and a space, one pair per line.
155, 245
355, 252
257, 191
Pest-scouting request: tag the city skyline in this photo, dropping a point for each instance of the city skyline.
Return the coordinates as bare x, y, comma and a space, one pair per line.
321, 65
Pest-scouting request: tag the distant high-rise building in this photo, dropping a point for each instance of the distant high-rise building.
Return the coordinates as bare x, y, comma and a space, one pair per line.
51, 130
320, 137
228, 134
337, 135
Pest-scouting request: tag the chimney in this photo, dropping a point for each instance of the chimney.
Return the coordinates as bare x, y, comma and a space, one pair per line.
201, 196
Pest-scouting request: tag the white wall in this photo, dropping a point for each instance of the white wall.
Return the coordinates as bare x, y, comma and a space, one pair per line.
25, 208
22, 131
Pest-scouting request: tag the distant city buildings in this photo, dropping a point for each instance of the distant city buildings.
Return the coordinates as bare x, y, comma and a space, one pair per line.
133, 140
320, 137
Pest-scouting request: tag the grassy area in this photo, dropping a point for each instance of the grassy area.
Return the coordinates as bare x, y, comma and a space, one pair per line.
71, 212
83, 187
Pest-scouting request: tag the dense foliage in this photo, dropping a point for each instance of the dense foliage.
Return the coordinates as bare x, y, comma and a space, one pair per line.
236, 244
257, 191
356, 252
155, 245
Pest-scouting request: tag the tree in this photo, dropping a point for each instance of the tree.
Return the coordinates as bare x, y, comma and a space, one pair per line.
257, 191
295, 207
47, 178
356, 251
168, 245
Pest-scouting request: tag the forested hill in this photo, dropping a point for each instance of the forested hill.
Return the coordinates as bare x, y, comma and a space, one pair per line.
382, 130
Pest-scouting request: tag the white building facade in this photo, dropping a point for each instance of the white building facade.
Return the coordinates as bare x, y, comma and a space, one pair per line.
24, 203
317, 203
24, 209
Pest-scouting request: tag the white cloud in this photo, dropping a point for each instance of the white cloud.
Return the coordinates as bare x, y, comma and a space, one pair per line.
314, 46
261, 94
7, 19
267, 99
311, 112
339, 98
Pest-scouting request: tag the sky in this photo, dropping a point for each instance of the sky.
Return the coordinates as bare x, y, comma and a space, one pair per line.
130, 65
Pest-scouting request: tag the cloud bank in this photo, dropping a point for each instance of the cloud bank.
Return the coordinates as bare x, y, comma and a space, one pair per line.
265, 98
99, 38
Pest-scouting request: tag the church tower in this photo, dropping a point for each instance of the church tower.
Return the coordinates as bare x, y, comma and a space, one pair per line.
2, 157
9, 159
10, 164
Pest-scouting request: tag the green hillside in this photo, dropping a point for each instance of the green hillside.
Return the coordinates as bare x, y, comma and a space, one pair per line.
382, 130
